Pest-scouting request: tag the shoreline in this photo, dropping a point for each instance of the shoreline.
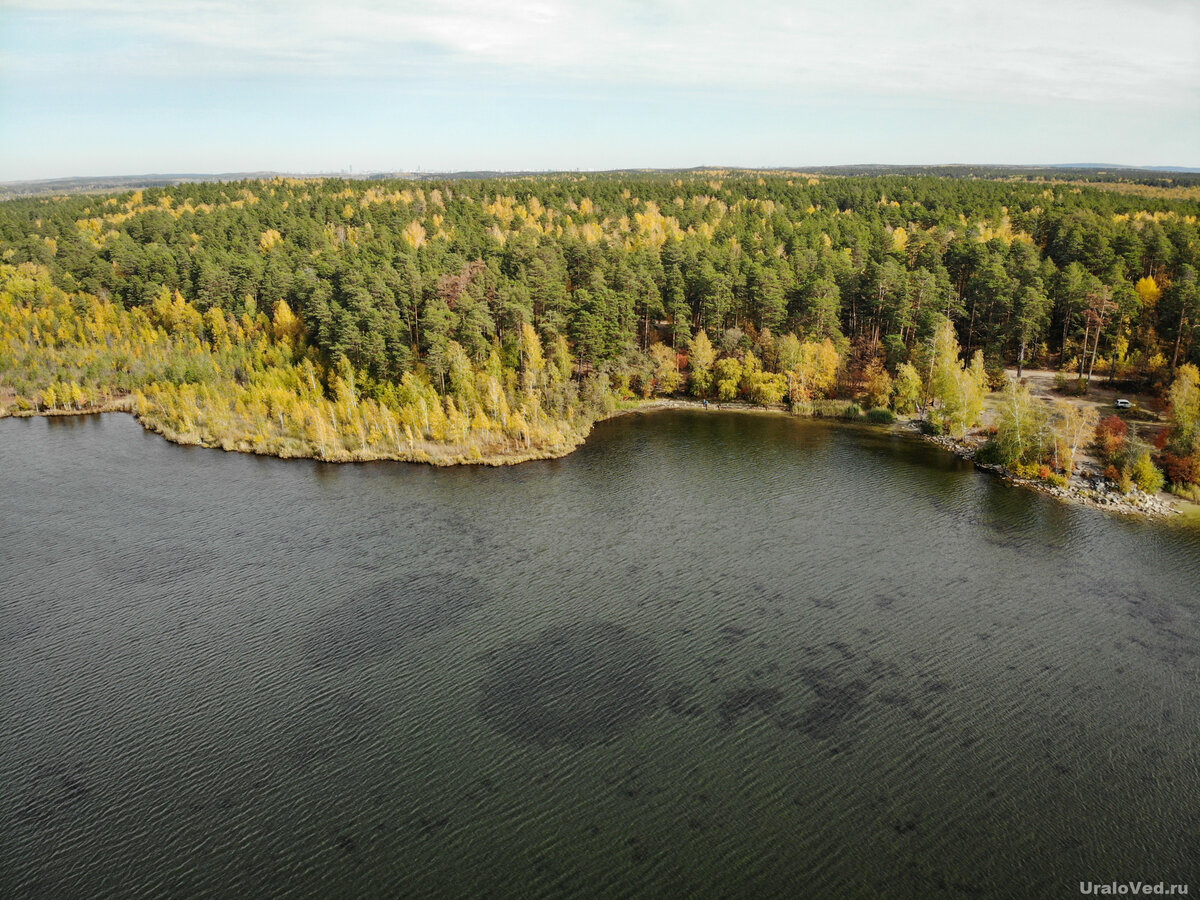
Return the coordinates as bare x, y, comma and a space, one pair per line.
1083, 489
421, 453
1086, 489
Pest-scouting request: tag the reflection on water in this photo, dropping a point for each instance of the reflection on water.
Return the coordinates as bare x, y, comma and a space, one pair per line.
707, 654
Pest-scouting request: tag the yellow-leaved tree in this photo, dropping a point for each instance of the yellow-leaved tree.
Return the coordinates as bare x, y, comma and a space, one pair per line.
285, 324
700, 360
956, 392
1148, 291
666, 373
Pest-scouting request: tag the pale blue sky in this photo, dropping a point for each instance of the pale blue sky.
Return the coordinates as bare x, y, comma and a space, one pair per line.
100, 87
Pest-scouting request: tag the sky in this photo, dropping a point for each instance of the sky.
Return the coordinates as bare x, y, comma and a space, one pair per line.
117, 87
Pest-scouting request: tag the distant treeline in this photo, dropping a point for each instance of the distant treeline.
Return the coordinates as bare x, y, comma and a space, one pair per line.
1153, 177
1161, 176
385, 273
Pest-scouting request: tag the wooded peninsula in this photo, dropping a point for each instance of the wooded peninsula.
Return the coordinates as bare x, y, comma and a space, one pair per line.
494, 320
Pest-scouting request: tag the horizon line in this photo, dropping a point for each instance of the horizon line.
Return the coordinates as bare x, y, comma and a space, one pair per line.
425, 173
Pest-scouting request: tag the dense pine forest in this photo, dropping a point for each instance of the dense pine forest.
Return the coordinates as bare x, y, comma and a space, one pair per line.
494, 319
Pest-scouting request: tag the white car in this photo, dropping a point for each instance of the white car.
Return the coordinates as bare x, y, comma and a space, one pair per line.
1123, 404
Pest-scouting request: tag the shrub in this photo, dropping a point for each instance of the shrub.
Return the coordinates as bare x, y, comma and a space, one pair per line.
996, 376
1182, 470
1031, 471
988, 454
1187, 491
929, 426
1146, 475
1124, 482
766, 388
880, 416
1058, 479
852, 411
1110, 437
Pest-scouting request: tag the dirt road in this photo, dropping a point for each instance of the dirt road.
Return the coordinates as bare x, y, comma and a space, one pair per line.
1101, 397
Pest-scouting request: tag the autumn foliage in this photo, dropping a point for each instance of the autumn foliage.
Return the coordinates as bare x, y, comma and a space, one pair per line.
1110, 437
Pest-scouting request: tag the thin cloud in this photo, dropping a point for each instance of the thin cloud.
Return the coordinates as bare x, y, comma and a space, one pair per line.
1024, 50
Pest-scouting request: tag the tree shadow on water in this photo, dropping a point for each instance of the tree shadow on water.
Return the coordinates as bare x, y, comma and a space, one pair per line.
576, 684
387, 616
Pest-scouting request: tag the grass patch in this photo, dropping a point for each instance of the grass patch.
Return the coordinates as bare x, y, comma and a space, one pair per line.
880, 416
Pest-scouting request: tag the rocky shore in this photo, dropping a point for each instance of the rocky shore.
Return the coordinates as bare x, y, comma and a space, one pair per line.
1089, 488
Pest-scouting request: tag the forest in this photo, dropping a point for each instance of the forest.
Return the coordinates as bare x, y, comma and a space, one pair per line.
495, 319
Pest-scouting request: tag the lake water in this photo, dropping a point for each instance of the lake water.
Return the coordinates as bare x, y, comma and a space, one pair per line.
708, 654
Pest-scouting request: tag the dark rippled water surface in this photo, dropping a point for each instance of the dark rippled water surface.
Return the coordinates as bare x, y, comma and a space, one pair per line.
706, 655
